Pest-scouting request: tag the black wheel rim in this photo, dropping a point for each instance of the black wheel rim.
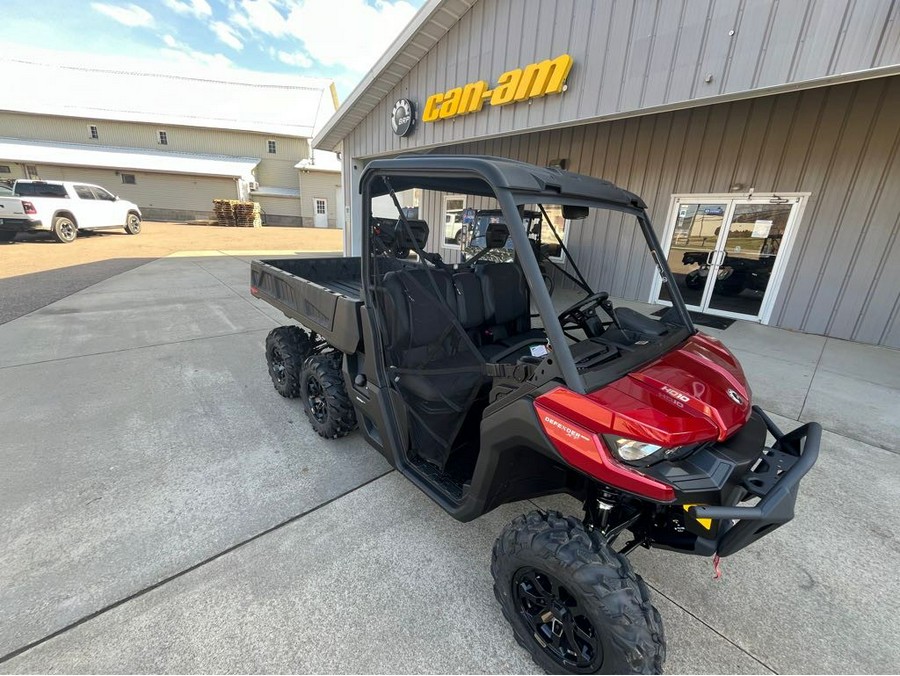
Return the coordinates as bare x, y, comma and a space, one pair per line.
557, 620
135, 224
277, 369
316, 398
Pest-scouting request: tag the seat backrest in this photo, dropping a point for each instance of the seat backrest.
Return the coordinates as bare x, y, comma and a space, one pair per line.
507, 306
414, 315
469, 299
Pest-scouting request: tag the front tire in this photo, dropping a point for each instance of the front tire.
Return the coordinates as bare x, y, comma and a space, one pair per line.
286, 348
133, 224
64, 229
573, 603
324, 396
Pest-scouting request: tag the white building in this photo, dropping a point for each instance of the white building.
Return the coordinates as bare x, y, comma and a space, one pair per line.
174, 142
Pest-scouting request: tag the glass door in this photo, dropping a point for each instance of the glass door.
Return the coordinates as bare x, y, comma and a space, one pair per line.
692, 247
726, 254
747, 256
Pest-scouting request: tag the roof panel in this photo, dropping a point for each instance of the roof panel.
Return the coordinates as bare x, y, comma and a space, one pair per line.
78, 155
292, 106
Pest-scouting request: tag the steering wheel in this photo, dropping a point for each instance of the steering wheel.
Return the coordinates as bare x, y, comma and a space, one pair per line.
580, 314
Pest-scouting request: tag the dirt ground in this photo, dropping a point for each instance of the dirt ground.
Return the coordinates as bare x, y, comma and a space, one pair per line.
39, 253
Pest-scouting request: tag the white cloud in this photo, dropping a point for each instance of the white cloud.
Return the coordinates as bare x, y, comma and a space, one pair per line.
294, 59
128, 15
199, 8
260, 16
226, 34
348, 33
182, 53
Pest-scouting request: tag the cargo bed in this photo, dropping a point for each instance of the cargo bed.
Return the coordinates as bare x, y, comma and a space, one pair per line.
323, 294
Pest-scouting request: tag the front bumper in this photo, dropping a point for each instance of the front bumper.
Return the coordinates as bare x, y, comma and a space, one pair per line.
775, 481
22, 225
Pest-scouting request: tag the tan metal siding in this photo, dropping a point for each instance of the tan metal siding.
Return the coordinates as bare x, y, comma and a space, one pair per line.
319, 184
279, 206
632, 56
841, 144
142, 135
151, 190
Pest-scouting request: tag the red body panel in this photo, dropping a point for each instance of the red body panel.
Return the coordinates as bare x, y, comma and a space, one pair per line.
693, 394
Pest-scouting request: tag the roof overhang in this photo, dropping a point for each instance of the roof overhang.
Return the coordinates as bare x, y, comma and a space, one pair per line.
427, 27
107, 157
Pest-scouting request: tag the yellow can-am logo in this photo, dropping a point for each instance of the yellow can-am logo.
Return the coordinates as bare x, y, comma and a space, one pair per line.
532, 81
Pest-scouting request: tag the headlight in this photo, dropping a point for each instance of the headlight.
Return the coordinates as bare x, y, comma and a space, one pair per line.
630, 450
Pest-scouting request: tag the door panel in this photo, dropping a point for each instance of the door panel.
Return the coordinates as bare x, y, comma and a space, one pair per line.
88, 210
107, 208
748, 256
697, 229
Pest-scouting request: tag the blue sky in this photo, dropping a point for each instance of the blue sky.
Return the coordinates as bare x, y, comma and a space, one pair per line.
337, 39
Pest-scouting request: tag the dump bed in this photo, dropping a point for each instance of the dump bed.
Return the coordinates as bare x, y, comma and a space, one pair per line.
323, 294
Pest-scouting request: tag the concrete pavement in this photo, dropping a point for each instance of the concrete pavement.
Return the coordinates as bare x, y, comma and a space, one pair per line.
162, 509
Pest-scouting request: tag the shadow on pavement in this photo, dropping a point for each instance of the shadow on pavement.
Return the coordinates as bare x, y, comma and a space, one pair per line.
26, 293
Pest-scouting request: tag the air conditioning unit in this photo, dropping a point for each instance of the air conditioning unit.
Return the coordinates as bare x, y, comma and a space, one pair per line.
254, 185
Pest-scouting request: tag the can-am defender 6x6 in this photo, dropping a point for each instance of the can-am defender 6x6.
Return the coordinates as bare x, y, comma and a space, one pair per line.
646, 421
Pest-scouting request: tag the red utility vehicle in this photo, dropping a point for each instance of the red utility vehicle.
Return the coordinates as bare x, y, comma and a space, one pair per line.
446, 372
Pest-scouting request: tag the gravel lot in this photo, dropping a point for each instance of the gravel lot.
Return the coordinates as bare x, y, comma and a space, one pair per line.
36, 271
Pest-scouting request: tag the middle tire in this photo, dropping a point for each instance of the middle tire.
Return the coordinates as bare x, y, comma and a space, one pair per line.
286, 348
324, 396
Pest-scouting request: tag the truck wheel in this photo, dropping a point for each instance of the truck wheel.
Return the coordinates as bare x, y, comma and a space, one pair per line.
325, 398
574, 604
64, 229
133, 224
7, 236
286, 348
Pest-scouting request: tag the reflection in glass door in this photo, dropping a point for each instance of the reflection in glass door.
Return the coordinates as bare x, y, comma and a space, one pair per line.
726, 253
748, 256
693, 245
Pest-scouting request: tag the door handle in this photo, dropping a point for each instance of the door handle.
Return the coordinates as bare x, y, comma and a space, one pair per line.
709, 257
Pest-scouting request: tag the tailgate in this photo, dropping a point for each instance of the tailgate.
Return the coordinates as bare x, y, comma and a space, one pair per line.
11, 207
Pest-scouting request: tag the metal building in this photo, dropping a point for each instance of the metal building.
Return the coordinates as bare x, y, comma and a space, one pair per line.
172, 143
755, 129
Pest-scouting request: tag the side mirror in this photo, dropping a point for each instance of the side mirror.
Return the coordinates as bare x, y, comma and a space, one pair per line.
572, 213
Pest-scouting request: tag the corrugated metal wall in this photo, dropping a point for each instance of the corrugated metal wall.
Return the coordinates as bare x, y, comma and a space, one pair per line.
841, 144
274, 170
323, 185
633, 55
151, 190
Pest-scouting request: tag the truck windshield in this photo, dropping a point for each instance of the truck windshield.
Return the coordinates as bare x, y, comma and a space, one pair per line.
40, 190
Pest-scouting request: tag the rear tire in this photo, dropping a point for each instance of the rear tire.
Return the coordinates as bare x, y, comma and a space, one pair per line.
133, 224
556, 581
324, 396
286, 348
64, 229
7, 236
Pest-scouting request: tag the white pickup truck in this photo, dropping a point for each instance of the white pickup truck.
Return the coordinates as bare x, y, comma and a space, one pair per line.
62, 208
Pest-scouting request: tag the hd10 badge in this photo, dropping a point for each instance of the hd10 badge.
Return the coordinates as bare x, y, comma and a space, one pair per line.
403, 117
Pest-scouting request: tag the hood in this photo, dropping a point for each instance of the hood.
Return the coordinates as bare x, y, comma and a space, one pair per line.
692, 394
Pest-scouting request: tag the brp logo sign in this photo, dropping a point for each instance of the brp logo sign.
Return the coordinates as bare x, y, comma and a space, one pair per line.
735, 397
403, 117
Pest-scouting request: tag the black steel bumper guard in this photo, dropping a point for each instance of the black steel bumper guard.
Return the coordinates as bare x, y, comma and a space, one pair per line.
775, 481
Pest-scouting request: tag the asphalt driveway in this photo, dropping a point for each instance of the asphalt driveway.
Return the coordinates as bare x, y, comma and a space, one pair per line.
162, 509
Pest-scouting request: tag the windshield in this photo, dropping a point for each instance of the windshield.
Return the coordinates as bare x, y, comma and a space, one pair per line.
40, 190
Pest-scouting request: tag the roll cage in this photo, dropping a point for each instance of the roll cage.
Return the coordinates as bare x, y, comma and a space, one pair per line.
515, 185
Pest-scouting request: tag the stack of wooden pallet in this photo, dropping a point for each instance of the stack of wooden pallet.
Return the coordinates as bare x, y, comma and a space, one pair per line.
236, 213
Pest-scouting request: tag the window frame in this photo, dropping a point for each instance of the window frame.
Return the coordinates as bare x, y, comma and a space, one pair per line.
272, 147
93, 132
162, 137
133, 178
448, 196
